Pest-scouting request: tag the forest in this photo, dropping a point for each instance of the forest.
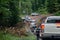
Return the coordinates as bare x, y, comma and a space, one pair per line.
10, 10
40, 6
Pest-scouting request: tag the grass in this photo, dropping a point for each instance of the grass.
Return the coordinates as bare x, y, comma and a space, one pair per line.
12, 37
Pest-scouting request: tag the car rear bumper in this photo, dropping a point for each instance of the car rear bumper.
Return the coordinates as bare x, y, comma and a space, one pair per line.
50, 35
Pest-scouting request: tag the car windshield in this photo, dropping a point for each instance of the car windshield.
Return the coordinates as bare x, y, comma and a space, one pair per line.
32, 21
53, 21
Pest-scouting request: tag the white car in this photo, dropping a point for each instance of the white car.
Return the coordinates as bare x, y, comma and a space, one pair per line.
27, 18
51, 27
32, 23
34, 14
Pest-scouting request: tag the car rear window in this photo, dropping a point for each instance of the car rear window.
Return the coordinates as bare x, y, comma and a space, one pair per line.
53, 21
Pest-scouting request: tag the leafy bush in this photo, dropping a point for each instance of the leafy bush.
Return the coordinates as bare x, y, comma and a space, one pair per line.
57, 13
42, 11
9, 12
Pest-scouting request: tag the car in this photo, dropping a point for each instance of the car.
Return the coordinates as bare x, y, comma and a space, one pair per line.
34, 14
32, 23
51, 27
27, 18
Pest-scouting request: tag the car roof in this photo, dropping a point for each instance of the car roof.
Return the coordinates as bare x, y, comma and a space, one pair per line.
34, 14
53, 17
32, 20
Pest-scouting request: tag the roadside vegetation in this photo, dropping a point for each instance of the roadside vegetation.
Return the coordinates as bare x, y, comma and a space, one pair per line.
8, 36
11, 12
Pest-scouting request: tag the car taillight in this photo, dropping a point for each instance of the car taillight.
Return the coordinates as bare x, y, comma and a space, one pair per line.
42, 26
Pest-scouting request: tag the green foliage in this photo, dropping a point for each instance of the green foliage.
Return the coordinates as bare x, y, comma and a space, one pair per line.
9, 12
10, 9
14, 16
4, 16
42, 11
40, 6
46, 6
57, 13
53, 6
25, 6
10, 37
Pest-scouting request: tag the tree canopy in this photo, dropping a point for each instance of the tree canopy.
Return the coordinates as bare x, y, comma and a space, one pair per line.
10, 10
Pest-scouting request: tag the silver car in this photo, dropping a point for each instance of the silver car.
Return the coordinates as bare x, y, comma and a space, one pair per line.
32, 23
51, 27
